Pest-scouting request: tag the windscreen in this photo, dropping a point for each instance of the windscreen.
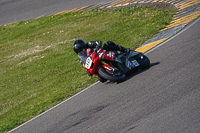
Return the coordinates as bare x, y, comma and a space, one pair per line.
82, 56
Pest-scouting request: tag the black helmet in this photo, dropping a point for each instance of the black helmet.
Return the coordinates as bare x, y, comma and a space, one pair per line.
78, 45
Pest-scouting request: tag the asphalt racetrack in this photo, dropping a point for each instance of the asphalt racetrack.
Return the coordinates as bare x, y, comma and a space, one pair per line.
18, 10
164, 98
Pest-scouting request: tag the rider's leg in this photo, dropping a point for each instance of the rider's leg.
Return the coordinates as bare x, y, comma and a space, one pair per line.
113, 46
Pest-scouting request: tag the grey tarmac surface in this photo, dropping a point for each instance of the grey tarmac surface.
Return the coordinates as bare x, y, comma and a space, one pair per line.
162, 99
18, 10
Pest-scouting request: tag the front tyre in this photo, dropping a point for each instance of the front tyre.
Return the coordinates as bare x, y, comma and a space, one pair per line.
101, 79
115, 77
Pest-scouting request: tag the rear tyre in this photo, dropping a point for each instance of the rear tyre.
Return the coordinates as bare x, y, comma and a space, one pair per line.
144, 62
117, 77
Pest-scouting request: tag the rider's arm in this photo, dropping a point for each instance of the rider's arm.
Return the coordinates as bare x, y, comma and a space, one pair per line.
95, 45
91, 44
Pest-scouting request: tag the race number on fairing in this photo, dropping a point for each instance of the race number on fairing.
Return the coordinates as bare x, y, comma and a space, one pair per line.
131, 64
88, 63
135, 63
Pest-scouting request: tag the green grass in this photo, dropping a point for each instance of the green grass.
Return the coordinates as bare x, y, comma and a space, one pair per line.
38, 66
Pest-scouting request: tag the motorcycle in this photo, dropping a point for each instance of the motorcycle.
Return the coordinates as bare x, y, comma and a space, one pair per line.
111, 65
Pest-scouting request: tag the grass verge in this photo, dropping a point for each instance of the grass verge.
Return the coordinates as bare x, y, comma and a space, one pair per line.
38, 66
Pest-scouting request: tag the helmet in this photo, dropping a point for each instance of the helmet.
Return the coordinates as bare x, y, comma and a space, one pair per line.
78, 45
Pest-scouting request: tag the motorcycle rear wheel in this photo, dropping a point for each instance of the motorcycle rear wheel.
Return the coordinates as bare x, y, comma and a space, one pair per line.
112, 77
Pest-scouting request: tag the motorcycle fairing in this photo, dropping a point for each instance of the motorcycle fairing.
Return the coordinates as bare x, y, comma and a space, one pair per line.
131, 63
132, 54
106, 55
88, 63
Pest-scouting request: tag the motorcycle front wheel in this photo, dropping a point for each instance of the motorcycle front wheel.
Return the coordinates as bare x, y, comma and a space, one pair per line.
118, 76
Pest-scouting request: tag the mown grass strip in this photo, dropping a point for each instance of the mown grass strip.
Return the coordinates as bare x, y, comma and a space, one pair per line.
38, 66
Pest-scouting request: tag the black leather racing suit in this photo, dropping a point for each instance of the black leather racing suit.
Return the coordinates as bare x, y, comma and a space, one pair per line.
111, 46
96, 45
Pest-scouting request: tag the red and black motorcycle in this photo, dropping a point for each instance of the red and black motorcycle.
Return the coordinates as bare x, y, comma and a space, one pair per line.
111, 65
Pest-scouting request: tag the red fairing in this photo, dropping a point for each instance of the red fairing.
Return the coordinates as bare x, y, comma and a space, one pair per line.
95, 60
106, 55
97, 57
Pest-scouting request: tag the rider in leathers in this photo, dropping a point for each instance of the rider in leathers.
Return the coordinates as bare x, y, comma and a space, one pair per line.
79, 45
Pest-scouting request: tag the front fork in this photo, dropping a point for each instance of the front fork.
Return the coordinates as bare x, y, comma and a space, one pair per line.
112, 69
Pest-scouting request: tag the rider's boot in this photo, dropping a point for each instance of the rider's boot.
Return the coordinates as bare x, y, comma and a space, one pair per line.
113, 46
